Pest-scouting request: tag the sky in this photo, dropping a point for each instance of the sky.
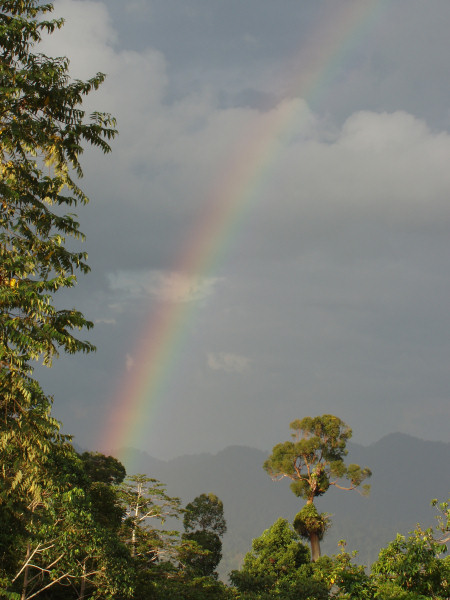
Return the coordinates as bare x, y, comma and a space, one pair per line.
269, 238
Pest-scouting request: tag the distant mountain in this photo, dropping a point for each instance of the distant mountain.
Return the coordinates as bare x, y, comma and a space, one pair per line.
407, 474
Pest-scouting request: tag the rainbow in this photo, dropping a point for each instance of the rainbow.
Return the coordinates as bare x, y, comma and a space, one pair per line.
228, 204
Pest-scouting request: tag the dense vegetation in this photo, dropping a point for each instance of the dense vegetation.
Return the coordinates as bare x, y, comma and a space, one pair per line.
74, 526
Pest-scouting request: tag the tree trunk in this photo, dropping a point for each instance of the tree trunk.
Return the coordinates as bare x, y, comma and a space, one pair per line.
315, 546
133, 540
25, 576
314, 538
83, 583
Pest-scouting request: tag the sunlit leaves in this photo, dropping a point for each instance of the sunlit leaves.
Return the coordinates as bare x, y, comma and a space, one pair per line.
411, 567
42, 133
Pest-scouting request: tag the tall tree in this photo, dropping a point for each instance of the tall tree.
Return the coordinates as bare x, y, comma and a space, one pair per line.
42, 132
314, 460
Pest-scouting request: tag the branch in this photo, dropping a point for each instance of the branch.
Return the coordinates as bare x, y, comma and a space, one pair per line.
279, 476
27, 562
308, 468
67, 575
45, 569
49, 585
341, 487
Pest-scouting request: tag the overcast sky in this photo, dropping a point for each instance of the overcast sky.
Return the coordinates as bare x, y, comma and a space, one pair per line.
330, 290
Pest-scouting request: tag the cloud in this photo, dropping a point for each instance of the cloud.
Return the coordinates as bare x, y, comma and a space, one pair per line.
176, 287
164, 286
87, 33
129, 362
229, 363
170, 157
105, 321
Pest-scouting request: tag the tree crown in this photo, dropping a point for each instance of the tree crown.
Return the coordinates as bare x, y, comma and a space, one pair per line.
315, 459
205, 513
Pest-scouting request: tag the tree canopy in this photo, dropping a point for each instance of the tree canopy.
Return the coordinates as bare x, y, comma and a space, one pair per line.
205, 512
315, 459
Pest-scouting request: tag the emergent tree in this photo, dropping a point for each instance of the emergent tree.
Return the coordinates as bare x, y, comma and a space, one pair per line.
314, 461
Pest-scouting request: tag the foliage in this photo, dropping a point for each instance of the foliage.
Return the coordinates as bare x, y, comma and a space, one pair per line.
103, 474
165, 563
315, 459
205, 554
308, 521
183, 586
443, 519
277, 556
41, 124
51, 533
343, 578
411, 568
103, 469
205, 512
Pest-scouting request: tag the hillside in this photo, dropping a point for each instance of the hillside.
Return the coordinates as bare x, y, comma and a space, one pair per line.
407, 474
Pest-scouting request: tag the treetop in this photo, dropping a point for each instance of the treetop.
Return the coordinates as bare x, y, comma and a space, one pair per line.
315, 459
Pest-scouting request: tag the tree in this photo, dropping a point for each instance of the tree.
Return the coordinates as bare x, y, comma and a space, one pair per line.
42, 132
103, 476
204, 523
64, 550
313, 462
146, 503
278, 566
183, 586
414, 567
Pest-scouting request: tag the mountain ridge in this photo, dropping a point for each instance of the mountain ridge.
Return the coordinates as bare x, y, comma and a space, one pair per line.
389, 436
